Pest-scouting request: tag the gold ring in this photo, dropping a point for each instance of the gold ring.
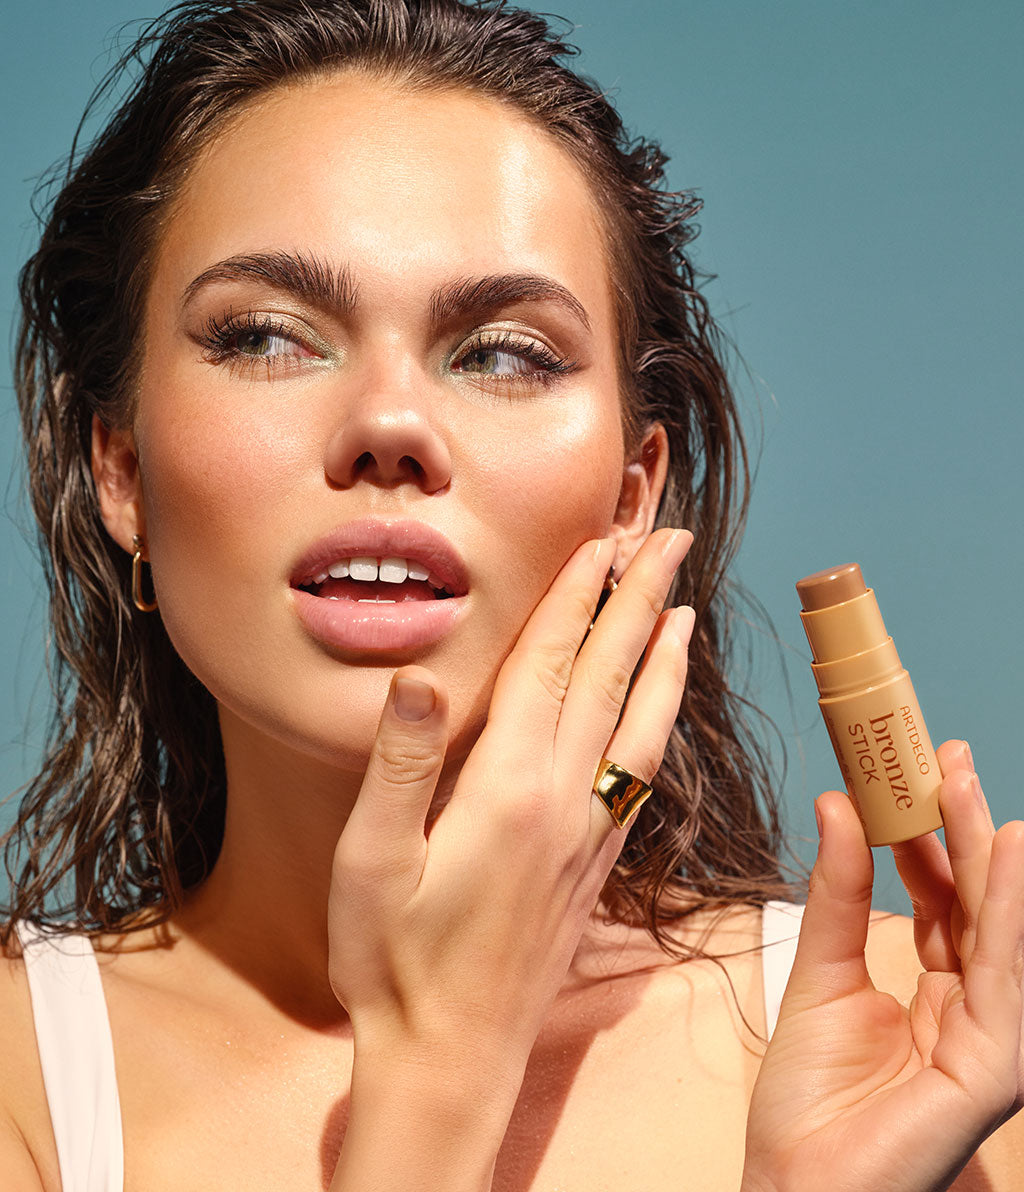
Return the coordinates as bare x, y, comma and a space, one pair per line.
621, 792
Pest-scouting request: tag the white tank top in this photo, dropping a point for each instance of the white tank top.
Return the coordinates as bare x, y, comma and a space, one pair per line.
77, 1057
77, 1053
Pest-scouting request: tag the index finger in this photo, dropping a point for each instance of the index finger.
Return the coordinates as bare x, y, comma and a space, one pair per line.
609, 657
534, 678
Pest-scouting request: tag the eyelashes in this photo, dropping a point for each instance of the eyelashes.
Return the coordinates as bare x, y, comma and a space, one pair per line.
254, 343
245, 341
549, 365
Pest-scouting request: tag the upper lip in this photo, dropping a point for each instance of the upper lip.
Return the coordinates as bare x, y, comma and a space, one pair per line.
381, 540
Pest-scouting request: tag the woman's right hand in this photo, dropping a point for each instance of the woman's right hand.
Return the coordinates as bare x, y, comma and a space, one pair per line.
449, 949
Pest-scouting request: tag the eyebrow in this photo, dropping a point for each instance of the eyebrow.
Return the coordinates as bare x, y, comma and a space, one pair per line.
306, 277
319, 284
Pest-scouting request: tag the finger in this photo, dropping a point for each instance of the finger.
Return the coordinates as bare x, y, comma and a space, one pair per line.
638, 743
829, 959
609, 657
531, 685
924, 868
384, 835
969, 838
956, 755
994, 975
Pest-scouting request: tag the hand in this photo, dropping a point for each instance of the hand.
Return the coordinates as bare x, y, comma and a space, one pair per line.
857, 1091
450, 947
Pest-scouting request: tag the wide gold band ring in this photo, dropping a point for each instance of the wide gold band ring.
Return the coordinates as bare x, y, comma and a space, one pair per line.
621, 792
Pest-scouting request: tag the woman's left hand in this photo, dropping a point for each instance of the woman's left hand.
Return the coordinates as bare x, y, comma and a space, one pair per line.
857, 1091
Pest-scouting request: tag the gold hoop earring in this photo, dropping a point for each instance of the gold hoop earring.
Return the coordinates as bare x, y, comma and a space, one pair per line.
140, 602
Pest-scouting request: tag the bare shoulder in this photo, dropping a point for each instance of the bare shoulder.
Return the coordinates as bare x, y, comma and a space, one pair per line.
26, 1140
895, 967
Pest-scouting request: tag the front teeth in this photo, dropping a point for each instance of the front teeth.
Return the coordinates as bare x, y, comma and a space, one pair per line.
365, 569
392, 570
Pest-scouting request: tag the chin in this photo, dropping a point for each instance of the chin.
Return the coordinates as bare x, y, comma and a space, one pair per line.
337, 731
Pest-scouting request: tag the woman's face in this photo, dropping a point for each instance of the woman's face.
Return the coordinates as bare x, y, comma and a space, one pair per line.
332, 362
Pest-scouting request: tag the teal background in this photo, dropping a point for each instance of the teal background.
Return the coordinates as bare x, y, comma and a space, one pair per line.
861, 166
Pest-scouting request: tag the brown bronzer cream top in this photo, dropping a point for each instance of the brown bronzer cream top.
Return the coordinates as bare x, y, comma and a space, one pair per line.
841, 618
832, 586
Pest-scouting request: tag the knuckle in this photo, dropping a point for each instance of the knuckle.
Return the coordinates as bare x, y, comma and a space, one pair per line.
609, 681
526, 811
360, 873
552, 668
353, 867
403, 763
922, 908
522, 810
349, 860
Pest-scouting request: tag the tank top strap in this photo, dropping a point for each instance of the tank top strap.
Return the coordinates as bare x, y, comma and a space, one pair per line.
76, 1053
780, 930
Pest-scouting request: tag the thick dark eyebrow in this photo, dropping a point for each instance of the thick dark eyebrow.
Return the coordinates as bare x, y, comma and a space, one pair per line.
490, 293
306, 277
319, 284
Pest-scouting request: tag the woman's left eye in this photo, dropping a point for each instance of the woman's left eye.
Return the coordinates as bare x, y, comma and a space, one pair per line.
511, 357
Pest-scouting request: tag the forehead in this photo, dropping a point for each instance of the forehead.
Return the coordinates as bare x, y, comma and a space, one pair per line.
394, 182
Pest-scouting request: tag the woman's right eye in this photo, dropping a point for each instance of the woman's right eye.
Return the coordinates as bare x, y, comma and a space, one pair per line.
265, 343
251, 338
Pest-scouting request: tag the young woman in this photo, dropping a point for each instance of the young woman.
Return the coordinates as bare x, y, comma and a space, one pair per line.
359, 351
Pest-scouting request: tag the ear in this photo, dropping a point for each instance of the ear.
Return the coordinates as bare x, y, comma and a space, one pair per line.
643, 482
115, 472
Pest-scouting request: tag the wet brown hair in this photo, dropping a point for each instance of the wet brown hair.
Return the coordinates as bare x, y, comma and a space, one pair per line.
127, 812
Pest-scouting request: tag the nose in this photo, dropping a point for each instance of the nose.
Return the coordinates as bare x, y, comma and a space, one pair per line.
388, 439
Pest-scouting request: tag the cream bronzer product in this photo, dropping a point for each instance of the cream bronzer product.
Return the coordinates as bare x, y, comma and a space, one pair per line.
869, 706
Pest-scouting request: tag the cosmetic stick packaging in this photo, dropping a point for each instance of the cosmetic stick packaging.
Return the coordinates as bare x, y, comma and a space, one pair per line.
870, 710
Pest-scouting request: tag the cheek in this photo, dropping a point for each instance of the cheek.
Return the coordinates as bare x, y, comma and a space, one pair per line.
560, 478
213, 489
212, 470
539, 492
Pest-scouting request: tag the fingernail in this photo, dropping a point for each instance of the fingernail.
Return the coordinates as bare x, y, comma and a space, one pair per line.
414, 700
967, 756
682, 623
817, 820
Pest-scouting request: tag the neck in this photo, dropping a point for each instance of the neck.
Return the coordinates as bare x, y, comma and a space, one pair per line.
262, 913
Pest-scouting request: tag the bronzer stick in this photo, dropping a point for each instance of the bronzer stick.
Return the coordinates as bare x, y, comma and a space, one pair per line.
870, 710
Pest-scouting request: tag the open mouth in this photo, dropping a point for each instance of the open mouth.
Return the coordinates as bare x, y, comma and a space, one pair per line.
368, 580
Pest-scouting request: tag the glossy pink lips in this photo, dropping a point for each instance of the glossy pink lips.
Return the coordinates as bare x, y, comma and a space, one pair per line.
349, 614
348, 624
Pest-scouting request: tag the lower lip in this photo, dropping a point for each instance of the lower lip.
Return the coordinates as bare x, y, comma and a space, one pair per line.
353, 625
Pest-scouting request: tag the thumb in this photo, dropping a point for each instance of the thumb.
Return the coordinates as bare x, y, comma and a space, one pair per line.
384, 834
829, 959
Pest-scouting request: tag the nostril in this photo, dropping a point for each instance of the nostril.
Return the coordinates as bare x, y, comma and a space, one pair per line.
406, 465
387, 454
